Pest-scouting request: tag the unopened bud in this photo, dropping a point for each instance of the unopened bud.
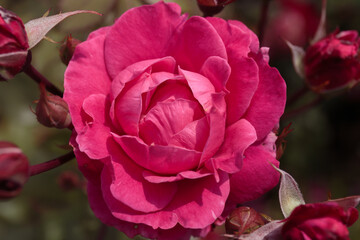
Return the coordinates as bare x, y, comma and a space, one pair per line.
68, 181
67, 49
13, 44
212, 7
244, 220
52, 111
14, 170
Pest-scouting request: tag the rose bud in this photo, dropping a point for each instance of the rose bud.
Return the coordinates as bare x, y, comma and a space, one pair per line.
244, 220
52, 111
67, 49
212, 7
319, 221
68, 181
333, 62
13, 44
14, 170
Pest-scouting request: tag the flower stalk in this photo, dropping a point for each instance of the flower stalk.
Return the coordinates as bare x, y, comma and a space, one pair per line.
54, 163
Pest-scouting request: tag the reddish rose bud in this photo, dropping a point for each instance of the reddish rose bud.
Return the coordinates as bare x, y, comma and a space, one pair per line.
67, 49
52, 111
68, 181
333, 62
244, 220
14, 170
212, 7
319, 221
13, 44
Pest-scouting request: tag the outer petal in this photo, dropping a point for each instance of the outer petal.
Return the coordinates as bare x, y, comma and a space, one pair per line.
238, 137
141, 33
197, 41
256, 176
129, 187
93, 137
269, 100
160, 159
85, 75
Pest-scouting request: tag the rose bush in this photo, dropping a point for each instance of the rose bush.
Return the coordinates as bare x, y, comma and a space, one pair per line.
333, 62
173, 120
319, 221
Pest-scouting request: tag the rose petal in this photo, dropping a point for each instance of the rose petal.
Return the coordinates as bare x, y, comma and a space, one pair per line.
140, 34
238, 137
155, 178
193, 136
268, 102
256, 176
168, 118
84, 76
99, 32
217, 70
129, 187
129, 101
160, 159
92, 139
196, 42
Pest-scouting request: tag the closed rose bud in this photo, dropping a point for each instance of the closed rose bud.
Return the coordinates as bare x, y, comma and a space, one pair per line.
244, 220
333, 62
52, 111
67, 49
13, 44
212, 7
14, 170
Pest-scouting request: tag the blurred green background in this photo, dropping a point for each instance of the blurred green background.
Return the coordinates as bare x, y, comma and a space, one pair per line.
322, 154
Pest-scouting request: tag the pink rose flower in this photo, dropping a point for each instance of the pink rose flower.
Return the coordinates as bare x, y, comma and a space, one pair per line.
173, 120
13, 44
333, 62
319, 221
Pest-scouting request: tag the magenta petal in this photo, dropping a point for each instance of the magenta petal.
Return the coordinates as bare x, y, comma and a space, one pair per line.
159, 159
237, 38
256, 176
193, 136
127, 106
208, 199
140, 34
217, 70
269, 100
196, 42
254, 41
238, 137
155, 178
129, 187
243, 83
99, 32
166, 119
92, 139
85, 75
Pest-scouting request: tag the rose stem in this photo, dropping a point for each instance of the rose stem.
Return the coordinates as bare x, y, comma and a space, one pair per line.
302, 109
297, 95
46, 166
102, 232
39, 78
263, 19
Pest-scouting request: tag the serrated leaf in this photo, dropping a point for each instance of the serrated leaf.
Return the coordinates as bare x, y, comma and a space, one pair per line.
298, 54
289, 193
321, 30
36, 29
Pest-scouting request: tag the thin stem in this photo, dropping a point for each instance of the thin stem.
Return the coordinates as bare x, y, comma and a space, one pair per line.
39, 78
46, 166
296, 96
102, 232
263, 19
302, 109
